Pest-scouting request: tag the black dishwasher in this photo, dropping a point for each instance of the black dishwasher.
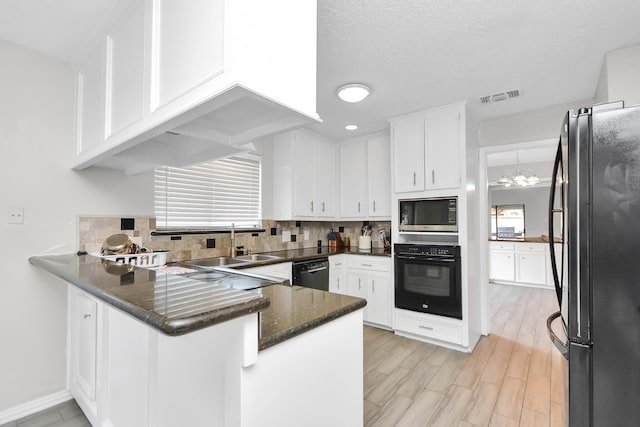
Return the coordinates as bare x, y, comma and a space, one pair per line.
312, 273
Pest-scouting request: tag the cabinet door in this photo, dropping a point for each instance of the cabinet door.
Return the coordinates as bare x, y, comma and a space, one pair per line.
337, 282
325, 179
379, 301
304, 174
532, 268
91, 101
357, 284
408, 153
125, 60
84, 345
379, 176
353, 178
189, 46
502, 266
442, 148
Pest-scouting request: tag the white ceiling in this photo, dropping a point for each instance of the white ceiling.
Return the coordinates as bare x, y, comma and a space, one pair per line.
415, 54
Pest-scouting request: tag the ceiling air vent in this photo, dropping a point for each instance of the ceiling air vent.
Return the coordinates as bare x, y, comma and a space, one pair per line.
502, 96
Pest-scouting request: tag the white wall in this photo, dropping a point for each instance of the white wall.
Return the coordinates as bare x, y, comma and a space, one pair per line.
535, 125
36, 130
535, 201
620, 75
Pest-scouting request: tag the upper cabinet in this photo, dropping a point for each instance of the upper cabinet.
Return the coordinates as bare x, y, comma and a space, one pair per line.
303, 176
176, 83
426, 149
365, 177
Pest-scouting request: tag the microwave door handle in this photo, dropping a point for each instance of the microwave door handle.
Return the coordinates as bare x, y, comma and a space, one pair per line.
552, 195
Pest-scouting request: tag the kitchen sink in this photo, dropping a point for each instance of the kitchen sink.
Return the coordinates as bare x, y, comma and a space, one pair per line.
217, 262
258, 257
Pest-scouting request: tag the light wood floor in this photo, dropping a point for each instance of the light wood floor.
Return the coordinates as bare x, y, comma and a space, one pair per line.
514, 376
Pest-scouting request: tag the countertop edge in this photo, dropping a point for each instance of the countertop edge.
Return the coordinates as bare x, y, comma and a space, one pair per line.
172, 328
278, 338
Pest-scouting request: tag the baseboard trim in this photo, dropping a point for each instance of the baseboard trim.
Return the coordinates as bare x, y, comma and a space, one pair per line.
34, 406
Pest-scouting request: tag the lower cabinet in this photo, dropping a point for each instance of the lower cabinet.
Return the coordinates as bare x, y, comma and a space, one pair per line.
370, 278
83, 339
414, 324
520, 263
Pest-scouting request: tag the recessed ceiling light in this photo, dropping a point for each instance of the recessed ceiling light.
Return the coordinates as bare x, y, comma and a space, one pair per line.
351, 127
353, 92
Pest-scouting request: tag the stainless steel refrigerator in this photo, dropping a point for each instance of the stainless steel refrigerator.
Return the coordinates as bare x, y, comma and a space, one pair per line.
595, 207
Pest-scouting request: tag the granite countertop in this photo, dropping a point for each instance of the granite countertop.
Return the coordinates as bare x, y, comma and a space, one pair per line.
295, 310
175, 304
172, 304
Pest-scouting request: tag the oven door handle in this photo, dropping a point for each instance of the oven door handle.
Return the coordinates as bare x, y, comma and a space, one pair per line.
420, 258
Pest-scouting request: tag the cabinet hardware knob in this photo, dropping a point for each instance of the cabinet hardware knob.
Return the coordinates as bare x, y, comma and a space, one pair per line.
374, 205
322, 206
428, 328
358, 207
312, 206
414, 179
433, 176
86, 316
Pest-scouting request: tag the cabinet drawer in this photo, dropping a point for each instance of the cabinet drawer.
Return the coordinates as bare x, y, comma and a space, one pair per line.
531, 247
365, 262
429, 328
336, 261
502, 246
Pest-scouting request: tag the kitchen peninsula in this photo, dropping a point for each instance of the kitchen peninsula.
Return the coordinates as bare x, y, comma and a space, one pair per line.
154, 349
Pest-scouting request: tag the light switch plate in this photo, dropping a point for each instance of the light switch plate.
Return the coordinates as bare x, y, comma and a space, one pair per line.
286, 236
16, 216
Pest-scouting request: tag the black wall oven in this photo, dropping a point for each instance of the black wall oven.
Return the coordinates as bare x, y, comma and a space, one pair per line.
428, 279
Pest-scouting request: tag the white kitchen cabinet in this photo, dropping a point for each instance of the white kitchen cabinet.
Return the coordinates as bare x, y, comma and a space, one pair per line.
126, 84
337, 280
365, 178
303, 176
407, 136
379, 176
426, 149
531, 263
442, 136
353, 180
83, 346
90, 102
428, 327
502, 265
370, 278
177, 83
522, 263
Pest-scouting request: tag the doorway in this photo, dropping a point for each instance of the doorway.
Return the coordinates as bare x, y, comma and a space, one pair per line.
509, 157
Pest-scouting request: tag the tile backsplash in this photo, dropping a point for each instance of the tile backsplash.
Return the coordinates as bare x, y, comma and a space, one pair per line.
93, 230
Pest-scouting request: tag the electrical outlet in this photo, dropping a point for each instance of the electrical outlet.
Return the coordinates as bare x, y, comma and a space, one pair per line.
286, 236
16, 216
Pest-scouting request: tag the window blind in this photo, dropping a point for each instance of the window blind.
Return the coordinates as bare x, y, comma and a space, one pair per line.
209, 195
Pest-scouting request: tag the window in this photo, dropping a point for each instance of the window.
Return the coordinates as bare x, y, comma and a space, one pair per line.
507, 222
209, 195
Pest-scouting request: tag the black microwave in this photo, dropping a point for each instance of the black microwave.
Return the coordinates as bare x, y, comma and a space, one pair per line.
434, 214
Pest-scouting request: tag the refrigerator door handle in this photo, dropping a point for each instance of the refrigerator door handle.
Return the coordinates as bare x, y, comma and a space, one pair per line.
554, 269
561, 345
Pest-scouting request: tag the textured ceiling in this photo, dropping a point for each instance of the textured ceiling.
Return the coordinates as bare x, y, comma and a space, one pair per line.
416, 54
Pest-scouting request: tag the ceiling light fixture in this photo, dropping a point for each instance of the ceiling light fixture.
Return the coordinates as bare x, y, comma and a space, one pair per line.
351, 127
521, 178
353, 92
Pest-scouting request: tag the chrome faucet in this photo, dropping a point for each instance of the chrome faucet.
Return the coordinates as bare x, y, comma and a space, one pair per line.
233, 240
